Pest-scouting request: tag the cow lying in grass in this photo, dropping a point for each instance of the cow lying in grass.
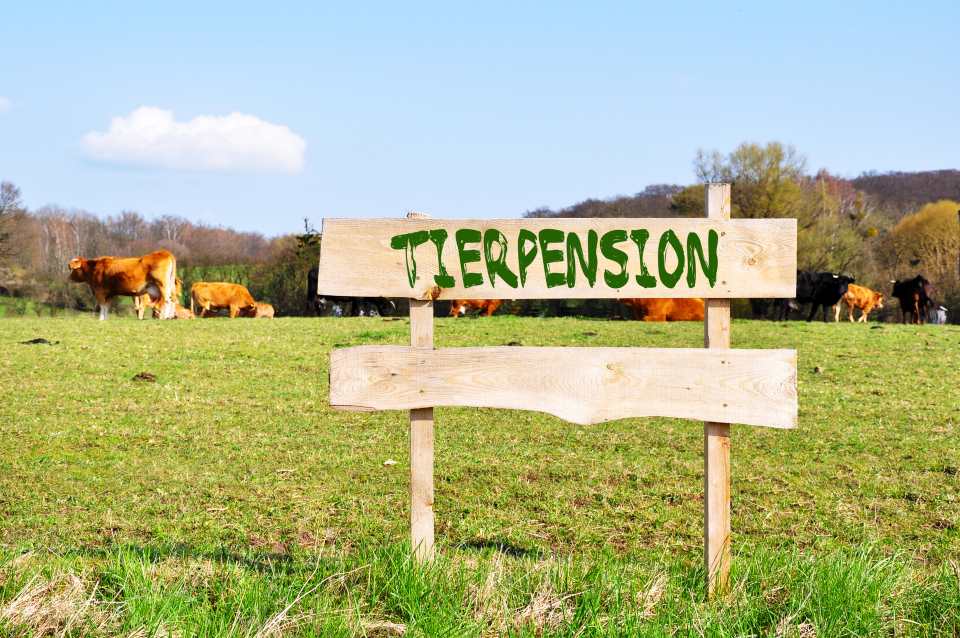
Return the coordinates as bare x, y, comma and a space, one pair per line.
144, 301
485, 307
666, 309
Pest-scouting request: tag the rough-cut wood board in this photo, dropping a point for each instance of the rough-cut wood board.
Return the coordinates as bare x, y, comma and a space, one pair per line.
756, 258
421, 445
583, 385
716, 436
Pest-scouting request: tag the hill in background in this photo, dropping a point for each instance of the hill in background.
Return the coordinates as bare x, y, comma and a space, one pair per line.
894, 194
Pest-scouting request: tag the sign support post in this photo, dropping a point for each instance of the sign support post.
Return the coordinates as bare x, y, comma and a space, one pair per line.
716, 436
421, 439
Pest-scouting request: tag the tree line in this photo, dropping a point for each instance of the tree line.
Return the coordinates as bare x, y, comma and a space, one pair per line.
36, 245
876, 227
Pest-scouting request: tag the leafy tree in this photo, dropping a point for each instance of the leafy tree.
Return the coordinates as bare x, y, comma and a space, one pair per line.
927, 240
766, 180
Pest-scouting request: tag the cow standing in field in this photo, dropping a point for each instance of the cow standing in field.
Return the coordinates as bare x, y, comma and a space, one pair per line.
211, 297
915, 297
108, 277
820, 289
666, 309
485, 307
144, 301
859, 297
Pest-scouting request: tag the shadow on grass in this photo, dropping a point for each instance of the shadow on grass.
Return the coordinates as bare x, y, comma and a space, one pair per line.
264, 562
499, 545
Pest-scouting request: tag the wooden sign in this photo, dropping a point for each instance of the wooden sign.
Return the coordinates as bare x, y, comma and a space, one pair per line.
558, 258
582, 385
425, 259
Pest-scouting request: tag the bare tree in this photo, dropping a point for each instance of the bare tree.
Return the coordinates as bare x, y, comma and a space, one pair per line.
10, 205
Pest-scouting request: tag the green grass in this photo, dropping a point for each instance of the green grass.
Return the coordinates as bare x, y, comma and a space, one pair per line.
27, 307
227, 498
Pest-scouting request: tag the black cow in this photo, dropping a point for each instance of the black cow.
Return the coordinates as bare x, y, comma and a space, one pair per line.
915, 297
345, 306
820, 289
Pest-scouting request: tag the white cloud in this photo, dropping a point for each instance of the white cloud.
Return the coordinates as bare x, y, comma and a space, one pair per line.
237, 142
5, 104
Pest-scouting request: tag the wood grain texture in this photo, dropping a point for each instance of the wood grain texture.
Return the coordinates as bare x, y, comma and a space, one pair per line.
756, 258
716, 436
582, 385
421, 444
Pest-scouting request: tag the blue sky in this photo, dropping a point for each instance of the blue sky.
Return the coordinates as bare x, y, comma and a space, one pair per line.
480, 110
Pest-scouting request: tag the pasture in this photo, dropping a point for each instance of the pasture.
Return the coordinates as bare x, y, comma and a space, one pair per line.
226, 498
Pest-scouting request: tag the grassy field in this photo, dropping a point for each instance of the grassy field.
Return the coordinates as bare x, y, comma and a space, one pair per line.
226, 498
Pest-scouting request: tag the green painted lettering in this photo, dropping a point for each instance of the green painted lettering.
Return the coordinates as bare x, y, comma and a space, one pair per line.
608, 247
639, 236
468, 236
575, 253
708, 264
670, 239
526, 252
444, 279
497, 267
408, 243
549, 256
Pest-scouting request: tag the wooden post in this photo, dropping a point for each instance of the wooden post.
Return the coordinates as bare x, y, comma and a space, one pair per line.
716, 436
421, 439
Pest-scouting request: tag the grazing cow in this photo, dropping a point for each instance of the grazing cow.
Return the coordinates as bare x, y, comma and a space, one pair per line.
820, 289
666, 309
859, 297
485, 307
211, 297
108, 277
144, 301
261, 311
915, 297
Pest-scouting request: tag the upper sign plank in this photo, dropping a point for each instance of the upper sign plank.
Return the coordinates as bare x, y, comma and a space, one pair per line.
558, 258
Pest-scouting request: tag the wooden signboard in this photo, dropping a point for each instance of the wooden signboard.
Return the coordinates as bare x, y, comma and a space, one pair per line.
559, 258
714, 258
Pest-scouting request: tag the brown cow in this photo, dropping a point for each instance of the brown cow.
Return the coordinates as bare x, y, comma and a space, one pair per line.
144, 301
210, 297
859, 297
261, 311
110, 277
460, 307
181, 313
666, 309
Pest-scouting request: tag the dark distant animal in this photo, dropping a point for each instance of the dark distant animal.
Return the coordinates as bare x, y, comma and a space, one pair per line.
485, 307
820, 289
345, 306
666, 309
110, 277
915, 297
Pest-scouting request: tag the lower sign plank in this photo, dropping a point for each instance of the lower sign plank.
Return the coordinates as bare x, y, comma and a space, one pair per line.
582, 385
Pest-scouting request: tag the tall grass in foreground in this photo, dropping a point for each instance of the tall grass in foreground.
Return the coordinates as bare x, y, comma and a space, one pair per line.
378, 592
